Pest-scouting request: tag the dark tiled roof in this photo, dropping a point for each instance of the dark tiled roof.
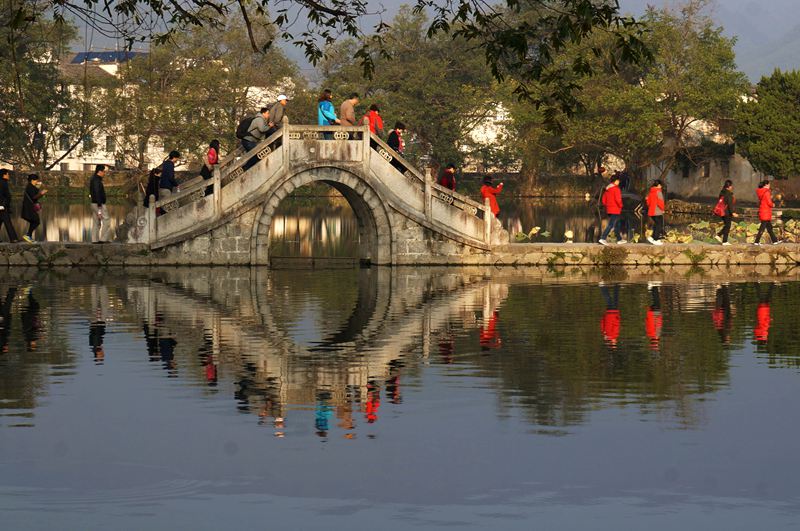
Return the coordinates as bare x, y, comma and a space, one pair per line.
77, 74
105, 57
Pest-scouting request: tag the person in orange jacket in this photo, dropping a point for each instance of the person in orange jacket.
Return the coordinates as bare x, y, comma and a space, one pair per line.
490, 192
612, 200
765, 205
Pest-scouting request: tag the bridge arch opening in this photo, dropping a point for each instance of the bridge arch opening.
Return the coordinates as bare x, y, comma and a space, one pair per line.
372, 226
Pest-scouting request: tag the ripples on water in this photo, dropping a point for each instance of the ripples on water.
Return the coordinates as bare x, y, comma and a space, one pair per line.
427, 397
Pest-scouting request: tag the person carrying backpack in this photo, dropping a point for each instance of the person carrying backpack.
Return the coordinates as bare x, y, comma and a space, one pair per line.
724, 209
765, 205
255, 130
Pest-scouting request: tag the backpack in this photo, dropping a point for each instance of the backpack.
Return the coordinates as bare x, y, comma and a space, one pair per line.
721, 208
243, 128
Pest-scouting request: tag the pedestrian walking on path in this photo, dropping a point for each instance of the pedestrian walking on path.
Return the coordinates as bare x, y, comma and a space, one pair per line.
395, 139
374, 120
724, 209
5, 206
765, 205
655, 209
31, 206
326, 115
210, 160
448, 177
612, 201
276, 115
97, 191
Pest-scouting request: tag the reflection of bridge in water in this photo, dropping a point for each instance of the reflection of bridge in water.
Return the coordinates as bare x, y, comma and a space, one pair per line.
246, 317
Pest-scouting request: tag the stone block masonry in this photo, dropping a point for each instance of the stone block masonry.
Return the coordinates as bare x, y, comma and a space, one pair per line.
644, 259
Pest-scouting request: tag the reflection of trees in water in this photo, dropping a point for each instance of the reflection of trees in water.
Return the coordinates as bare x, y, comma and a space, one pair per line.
551, 214
34, 355
364, 334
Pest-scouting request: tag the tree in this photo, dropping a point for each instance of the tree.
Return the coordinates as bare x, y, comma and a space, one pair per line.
195, 88
767, 125
38, 105
436, 85
520, 39
652, 113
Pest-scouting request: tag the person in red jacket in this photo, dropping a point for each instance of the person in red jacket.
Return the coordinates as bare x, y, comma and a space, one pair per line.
655, 209
612, 200
448, 177
489, 192
374, 120
765, 205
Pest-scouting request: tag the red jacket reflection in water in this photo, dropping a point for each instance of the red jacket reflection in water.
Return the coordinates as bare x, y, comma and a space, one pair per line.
763, 321
489, 337
609, 325
373, 402
652, 327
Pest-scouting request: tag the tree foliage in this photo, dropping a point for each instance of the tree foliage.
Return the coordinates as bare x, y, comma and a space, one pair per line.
37, 105
767, 125
195, 88
650, 113
520, 39
436, 85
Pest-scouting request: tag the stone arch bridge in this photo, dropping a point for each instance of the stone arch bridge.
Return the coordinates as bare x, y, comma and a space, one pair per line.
403, 217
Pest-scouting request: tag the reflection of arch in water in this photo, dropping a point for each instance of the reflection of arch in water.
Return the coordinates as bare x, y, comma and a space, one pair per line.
374, 225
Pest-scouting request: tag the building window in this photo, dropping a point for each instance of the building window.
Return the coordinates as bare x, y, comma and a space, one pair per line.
726, 169
88, 143
706, 170
65, 166
111, 144
63, 142
88, 167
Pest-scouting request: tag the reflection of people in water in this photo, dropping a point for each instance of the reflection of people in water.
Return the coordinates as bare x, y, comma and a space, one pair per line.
373, 402
653, 320
489, 337
97, 328
323, 413
30, 322
447, 347
97, 331
393, 383
5, 318
151, 337
166, 347
722, 314
763, 314
610, 322
206, 354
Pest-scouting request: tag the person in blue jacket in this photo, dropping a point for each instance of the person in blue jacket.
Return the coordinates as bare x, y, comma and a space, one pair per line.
326, 115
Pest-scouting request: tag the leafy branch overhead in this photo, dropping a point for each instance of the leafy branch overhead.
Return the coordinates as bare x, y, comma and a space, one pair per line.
519, 39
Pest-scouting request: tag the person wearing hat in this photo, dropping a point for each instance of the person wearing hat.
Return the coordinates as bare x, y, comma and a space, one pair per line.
5, 205
276, 114
490, 192
31, 206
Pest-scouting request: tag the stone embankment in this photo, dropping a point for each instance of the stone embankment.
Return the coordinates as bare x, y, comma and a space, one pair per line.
779, 259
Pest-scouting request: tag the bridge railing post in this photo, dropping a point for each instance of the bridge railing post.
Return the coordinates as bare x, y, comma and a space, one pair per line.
488, 219
428, 196
151, 219
217, 184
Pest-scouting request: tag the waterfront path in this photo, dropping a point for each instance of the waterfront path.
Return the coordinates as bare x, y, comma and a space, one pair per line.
784, 258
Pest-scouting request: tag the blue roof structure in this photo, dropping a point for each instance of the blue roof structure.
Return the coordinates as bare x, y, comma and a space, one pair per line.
105, 57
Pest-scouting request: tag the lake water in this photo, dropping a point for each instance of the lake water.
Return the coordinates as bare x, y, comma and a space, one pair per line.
395, 399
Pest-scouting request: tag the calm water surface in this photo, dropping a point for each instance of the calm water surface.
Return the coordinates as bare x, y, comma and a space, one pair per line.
392, 399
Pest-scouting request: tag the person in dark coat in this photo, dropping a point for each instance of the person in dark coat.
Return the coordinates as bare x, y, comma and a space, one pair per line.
31, 206
395, 139
726, 194
152, 186
168, 184
5, 206
31, 324
97, 191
